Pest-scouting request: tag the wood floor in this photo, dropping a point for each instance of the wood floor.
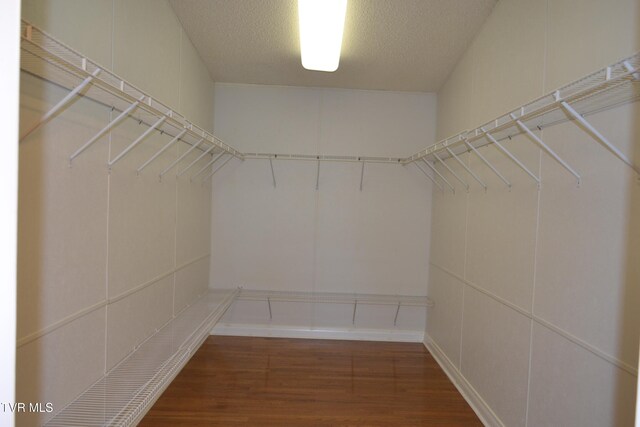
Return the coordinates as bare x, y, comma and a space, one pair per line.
234, 381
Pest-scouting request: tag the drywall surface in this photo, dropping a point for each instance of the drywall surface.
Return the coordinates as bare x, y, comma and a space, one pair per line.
105, 258
337, 238
537, 290
9, 32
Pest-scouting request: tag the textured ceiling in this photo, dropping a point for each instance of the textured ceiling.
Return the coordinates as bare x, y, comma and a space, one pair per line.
405, 45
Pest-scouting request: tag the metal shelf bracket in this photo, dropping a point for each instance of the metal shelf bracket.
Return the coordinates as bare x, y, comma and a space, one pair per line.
545, 147
429, 176
486, 162
60, 105
466, 186
106, 129
453, 189
204, 168
162, 150
137, 141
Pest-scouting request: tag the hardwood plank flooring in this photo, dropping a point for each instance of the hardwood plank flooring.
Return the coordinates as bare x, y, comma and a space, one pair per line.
240, 381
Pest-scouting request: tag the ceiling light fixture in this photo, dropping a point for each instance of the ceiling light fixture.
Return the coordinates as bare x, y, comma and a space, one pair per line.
321, 28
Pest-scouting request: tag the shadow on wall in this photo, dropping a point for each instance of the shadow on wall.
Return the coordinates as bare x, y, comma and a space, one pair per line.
629, 316
632, 281
29, 370
61, 248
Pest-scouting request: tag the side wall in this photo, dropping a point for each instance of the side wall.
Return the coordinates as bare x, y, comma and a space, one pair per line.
335, 239
10, 34
537, 290
105, 258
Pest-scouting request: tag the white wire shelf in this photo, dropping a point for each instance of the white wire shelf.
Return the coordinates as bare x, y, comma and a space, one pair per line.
354, 299
123, 396
611, 86
334, 297
323, 158
52, 60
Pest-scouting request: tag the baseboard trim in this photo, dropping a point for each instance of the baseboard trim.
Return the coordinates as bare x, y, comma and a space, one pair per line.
278, 331
473, 398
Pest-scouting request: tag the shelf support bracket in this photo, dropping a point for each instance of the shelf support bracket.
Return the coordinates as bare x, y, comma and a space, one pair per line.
486, 162
546, 148
269, 305
453, 189
429, 176
476, 177
162, 150
64, 101
355, 307
179, 159
204, 153
273, 174
395, 319
137, 141
106, 129
362, 175
511, 156
217, 169
604, 141
631, 70
452, 171
204, 168
318, 176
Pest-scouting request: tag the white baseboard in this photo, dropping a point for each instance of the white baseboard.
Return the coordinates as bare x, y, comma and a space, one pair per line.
473, 398
279, 331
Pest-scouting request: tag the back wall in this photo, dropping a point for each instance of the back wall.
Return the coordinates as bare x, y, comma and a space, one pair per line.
336, 239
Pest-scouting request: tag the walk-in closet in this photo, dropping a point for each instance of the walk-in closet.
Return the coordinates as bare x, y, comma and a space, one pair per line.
320, 212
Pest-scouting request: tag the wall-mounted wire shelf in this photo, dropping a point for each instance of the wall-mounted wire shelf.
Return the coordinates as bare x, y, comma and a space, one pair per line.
52, 60
611, 86
335, 298
124, 395
324, 158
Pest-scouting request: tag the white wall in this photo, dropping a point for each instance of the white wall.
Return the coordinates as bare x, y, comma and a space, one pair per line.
9, 82
536, 291
337, 239
105, 258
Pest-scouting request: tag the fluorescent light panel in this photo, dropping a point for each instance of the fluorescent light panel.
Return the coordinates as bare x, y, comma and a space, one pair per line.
321, 28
